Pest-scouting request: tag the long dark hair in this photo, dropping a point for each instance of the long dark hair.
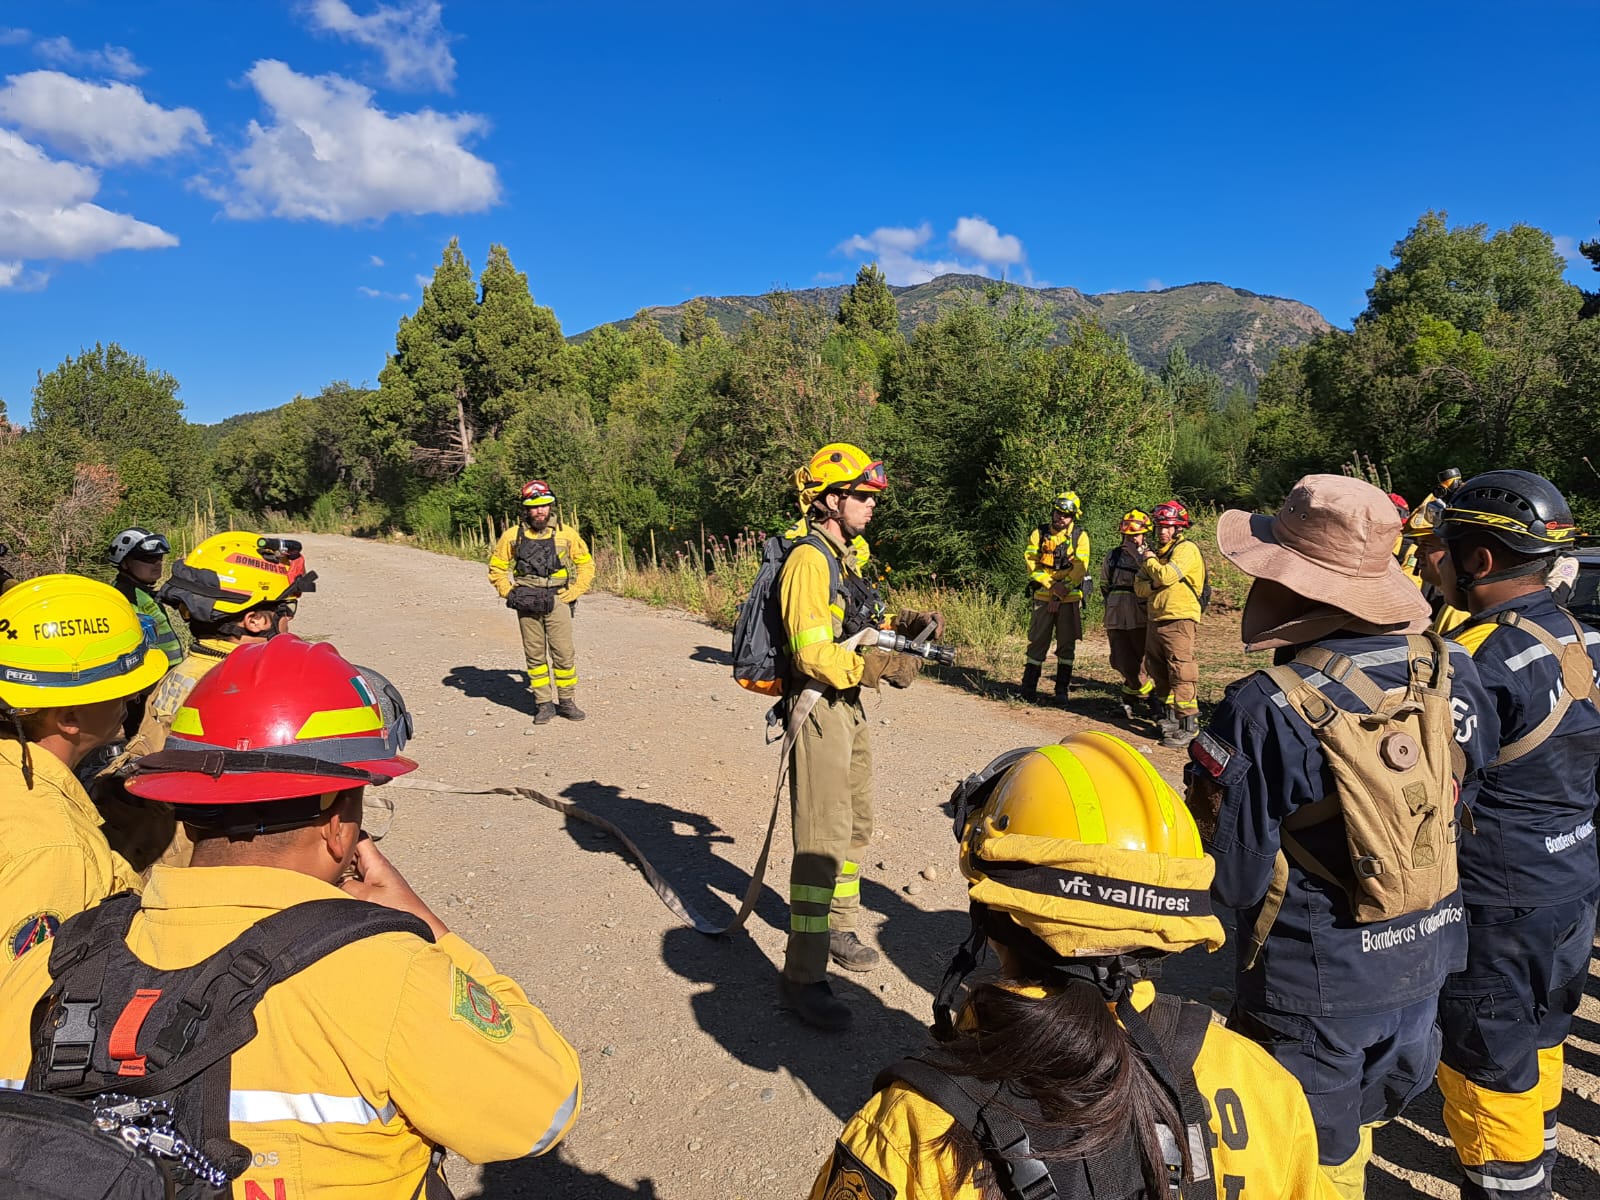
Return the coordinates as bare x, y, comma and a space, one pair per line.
1067, 1052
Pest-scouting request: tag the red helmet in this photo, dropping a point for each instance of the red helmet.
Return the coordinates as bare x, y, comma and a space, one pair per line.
1399, 501
536, 493
1171, 512
274, 721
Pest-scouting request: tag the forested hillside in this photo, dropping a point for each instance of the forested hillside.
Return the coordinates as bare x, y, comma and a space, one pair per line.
1234, 333
1472, 351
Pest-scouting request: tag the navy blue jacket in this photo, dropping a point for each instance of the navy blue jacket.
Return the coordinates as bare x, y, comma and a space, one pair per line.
1318, 960
1535, 842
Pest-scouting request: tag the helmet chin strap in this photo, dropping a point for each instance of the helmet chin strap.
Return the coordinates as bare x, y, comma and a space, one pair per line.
1465, 583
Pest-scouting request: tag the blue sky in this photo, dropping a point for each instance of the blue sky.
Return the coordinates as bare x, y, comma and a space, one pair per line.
251, 195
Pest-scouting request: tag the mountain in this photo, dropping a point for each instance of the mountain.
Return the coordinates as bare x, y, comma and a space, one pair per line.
1235, 333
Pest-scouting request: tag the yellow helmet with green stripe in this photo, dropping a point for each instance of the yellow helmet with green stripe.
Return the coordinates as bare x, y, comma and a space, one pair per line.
67, 640
1087, 848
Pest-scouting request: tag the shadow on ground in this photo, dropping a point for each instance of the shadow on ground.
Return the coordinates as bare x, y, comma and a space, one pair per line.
712, 654
679, 845
553, 1175
507, 688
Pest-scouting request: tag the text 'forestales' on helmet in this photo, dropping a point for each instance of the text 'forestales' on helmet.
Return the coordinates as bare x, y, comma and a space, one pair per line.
1087, 848
66, 640
839, 466
277, 720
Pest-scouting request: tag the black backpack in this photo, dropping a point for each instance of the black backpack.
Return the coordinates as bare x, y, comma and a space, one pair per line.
1175, 1029
759, 657
128, 1090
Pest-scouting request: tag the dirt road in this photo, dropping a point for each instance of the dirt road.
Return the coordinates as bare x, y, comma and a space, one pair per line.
695, 1085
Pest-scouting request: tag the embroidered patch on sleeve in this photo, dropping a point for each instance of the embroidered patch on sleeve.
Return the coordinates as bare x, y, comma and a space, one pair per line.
851, 1179
476, 1005
40, 927
1211, 754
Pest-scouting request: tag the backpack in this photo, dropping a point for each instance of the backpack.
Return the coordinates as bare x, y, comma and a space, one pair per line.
760, 655
989, 1112
1394, 772
145, 1055
1577, 680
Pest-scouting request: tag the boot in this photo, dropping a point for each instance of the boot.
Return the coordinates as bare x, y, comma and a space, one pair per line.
569, 709
813, 1003
1063, 682
1168, 721
1127, 706
544, 713
1029, 690
850, 952
1156, 706
1181, 734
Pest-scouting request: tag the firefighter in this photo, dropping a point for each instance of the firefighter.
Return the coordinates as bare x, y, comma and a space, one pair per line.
1421, 531
233, 589
390, 1046
1071, 1022
1529, 873
139, 557
830, 765
71, 651
1337, 985
540, 567
1127, 614
1057, 557
1172, 578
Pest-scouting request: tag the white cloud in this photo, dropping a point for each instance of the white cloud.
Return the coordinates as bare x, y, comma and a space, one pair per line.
17, 278
1153, 285
108, 60
375, 261
983, 241
1567, 248
423, 280
15, 37
894, 249
375, 294
103, 123
45, 212
410, 36
328, 154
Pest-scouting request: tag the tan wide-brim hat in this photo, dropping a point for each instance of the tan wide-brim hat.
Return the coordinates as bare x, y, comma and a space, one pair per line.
1333, 542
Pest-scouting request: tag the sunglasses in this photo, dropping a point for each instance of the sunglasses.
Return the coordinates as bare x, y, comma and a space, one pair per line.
278, 550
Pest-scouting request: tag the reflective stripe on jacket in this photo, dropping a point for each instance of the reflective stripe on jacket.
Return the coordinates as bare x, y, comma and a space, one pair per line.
362, 1061
570, 546
167, 639
1053, 557
1172, 580
812, 619
1535, 817
1265, 1143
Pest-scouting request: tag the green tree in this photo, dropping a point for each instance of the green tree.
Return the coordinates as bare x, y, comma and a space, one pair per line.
107, 405
517, 345
867, 306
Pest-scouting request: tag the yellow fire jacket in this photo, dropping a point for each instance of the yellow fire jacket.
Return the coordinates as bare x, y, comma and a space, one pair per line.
362, 1061
1172, 580
812, 619
54, 859
168, 696
1264, 1144
577, 563
1058, 557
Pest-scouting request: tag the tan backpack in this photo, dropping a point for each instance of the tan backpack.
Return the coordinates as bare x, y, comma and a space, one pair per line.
1395, 774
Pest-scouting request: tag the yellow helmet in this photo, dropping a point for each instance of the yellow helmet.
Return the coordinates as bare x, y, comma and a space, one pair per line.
1087, 848
1424, 520
1068, 502
230, 573
838, 465
67, 640
1136, 520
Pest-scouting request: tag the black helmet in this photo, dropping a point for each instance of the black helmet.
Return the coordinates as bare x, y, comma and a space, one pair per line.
1449, 478
1524, 512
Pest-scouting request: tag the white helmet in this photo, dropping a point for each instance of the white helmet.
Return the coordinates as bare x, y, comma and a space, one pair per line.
136, 541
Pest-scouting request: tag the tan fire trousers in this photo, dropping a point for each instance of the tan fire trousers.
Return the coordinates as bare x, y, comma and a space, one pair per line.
1169, 657
1065, 624
830, 802
1127, 658
552, 661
